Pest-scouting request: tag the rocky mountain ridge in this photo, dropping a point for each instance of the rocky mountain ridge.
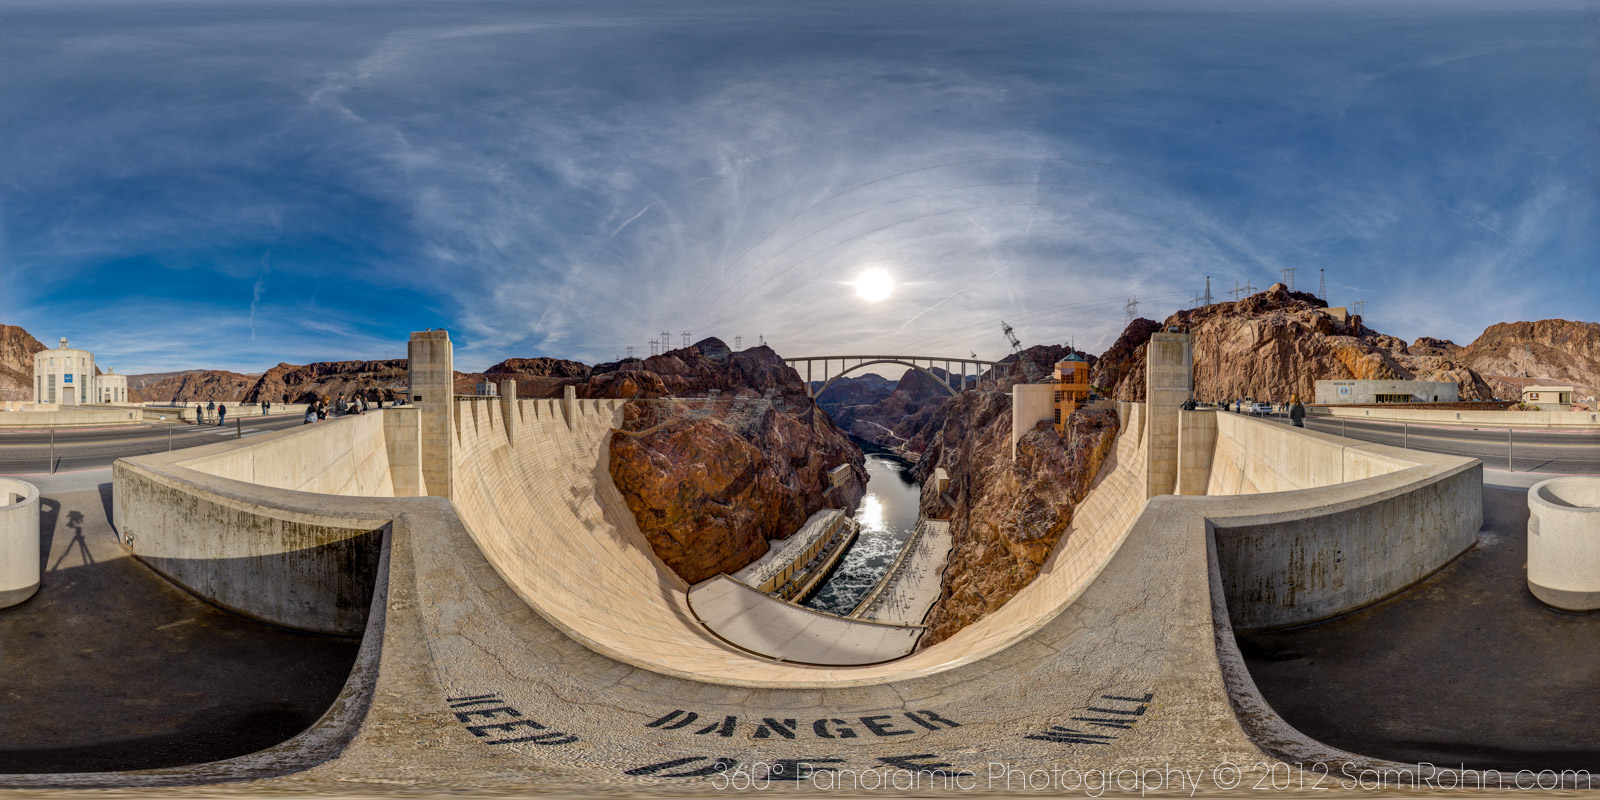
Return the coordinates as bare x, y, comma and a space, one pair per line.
1548, 351
1275, 345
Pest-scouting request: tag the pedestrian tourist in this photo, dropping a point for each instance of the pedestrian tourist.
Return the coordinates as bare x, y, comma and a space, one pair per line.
199, 415
1297, 412
222, 411
311, 414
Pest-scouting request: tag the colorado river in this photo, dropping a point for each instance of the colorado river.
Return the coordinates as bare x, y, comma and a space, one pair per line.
887, 514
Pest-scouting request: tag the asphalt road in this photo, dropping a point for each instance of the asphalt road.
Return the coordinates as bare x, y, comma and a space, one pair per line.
1531, 450
27, 451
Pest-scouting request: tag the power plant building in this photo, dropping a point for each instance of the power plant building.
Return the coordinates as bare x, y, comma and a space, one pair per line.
67, 376
1334, 393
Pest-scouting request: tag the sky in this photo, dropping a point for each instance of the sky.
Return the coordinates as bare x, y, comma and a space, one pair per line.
230, 185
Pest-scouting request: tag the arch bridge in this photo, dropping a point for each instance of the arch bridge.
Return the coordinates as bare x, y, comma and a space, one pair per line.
923, 364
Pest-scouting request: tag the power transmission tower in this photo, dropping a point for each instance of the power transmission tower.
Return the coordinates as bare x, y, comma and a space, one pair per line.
1195, 303
1360, 306
1208, 290
763, 339
1011, 336
1131, 308
630, 351
1236, 290
654, 345
1288, 277
1322, 285
1248, 289
666, 341
738, 342
685, 338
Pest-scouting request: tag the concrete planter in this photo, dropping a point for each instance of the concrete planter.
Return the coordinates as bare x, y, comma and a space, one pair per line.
19, 541
1564, 543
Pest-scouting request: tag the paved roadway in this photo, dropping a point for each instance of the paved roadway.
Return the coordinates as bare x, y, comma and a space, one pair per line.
1532, 450
26, 451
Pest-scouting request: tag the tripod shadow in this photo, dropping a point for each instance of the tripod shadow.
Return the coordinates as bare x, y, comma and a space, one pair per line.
75, 523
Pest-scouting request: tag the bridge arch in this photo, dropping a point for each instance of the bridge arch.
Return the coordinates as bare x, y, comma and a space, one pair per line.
945, 381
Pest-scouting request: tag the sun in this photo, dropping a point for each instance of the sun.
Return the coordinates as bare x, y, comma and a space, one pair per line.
874, 285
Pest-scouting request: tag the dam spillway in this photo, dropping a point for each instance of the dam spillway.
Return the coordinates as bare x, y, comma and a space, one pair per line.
529, 587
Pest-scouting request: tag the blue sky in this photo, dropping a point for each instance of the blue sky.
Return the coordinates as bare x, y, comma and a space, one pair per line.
230, 185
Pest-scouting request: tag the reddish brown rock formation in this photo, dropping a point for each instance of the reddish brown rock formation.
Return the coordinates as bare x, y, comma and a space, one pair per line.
1123, 363
737, 456
1550, 351
1429, 346
1277, 343
1007, 516
198, 385
287, 383
17, 347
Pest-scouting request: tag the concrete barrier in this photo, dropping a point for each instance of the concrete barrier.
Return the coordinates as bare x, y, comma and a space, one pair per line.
1564, 543
1348, 523
70, 417
19, 541
259, 527
235, 410
1486, 419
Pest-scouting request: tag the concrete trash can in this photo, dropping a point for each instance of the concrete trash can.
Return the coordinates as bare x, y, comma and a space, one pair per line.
1564, 543
19, 541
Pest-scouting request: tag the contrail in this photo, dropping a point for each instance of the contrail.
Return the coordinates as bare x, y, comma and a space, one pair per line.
631, 219
1508, 240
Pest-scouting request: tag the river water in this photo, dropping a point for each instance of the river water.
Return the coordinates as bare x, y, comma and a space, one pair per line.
888, 513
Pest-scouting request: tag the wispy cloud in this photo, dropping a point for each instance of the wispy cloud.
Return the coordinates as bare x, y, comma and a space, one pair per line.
571, 179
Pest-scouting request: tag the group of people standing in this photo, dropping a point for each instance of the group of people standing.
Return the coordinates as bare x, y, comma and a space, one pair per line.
220, 411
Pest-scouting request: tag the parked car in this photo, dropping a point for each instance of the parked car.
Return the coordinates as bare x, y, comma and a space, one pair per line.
1260, 409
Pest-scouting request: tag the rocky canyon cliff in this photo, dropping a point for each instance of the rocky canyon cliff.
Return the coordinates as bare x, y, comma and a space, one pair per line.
720, 452
1276, 344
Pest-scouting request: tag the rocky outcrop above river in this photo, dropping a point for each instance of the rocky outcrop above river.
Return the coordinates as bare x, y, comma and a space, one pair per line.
17, 347
1005, 516
1277, 344
721, 452
1549, 351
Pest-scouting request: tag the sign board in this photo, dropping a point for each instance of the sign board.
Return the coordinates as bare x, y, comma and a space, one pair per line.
1344, 391
67, 378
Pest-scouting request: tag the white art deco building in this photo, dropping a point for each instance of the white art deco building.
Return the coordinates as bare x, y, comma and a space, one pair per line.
67, 376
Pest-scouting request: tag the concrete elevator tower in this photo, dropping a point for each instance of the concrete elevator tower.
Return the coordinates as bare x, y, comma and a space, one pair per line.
1168, 382
431, 371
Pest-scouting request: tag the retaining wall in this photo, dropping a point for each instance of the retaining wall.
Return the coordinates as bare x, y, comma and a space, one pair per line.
1488, 419
68, 417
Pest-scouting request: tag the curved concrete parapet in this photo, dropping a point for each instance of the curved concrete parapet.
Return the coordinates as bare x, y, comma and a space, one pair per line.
1321, 525
1564, 543
19, 541
272, 528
